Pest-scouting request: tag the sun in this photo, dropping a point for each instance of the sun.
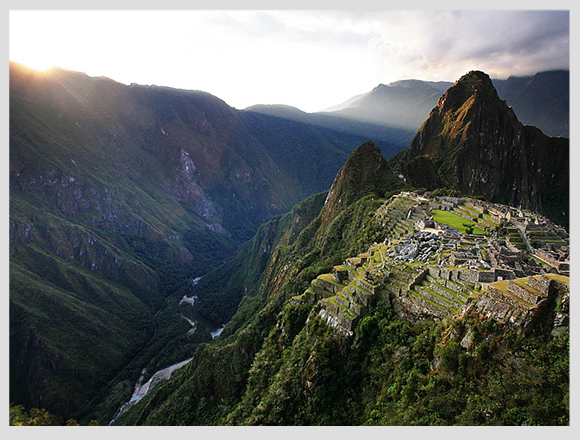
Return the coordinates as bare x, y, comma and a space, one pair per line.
29, 43
39, 65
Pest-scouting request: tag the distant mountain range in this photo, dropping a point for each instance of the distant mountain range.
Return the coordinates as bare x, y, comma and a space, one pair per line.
541, 100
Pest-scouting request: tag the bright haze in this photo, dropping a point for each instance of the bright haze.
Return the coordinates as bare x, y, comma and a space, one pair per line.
308, 59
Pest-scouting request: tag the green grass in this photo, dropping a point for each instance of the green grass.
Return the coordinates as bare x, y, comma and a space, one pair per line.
539, 260
330, 278
562, 278
455, 221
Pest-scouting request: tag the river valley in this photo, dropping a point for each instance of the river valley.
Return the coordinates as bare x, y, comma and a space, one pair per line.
140, 388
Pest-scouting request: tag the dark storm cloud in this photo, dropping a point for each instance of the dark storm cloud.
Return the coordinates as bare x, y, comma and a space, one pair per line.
518, 33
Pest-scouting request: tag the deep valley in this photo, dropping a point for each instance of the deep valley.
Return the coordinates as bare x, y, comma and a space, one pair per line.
412, 243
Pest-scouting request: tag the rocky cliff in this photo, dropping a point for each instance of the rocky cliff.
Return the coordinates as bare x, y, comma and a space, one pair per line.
365, 170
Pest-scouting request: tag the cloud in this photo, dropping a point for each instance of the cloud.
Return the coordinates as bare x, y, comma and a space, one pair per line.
445, 41
310, 59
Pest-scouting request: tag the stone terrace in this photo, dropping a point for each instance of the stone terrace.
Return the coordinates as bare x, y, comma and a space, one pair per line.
439, 272
511, 301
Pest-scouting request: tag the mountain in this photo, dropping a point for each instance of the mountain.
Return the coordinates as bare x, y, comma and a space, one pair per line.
541, 100
388, 136
403, 104
292, 257
365, 171
358, 320
119, 196
473, 142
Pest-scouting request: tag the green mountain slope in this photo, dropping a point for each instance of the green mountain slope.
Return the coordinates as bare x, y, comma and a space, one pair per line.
299, 256
119, 196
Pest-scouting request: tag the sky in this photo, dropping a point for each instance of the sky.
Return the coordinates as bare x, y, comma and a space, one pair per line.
310, 59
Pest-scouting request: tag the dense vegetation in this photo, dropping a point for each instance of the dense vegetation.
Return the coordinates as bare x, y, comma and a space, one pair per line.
396, 373
39, 417
222, 289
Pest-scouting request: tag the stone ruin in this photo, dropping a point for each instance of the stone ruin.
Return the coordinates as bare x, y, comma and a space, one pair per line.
426, 269
516, 301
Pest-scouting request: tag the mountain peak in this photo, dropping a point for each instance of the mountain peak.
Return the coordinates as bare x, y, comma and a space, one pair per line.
365, 170
473, 85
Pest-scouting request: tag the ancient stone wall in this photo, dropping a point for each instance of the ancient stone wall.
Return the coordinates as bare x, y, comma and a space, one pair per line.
469, 276
434, 272
522, 293
340, 274
542, 284
316, 288
366, 285
445, 274
345, 322
454, 275
453, 286
438, 289
497, 295
504, 274
419, 306
419, 278
546, 256
364, 297
485, 276
331, 287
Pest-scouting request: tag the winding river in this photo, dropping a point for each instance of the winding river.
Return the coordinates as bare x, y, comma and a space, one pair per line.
142, 389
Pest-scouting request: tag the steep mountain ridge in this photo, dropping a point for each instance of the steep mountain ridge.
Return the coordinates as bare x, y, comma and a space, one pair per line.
365, 170
474, 143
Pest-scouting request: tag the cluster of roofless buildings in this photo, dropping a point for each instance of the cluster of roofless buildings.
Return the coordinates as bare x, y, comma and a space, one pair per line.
444, 255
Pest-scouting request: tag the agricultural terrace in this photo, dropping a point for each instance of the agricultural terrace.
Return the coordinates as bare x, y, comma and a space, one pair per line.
455, 221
